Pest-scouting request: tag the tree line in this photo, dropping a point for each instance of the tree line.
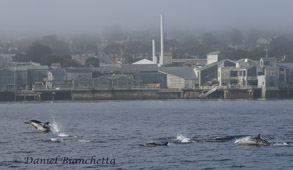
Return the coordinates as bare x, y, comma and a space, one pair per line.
233, 45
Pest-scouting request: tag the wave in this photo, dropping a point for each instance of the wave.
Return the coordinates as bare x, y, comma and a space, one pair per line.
242, 140
84, 140
57, 140
282, 143
247, 141
182, 139
63, 135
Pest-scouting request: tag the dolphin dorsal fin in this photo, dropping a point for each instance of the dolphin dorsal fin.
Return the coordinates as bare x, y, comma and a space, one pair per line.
257, 136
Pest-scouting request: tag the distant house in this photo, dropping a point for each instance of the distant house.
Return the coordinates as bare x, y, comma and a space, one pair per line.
265, 73
242, 72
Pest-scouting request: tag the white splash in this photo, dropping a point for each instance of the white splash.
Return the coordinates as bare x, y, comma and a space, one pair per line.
244, 140
84, 141
55, 126
58, 129
63, 135
56, 140
281, 144
182, 139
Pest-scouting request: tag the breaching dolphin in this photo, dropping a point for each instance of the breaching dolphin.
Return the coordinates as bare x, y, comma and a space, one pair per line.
257, 141
152, 144
44, 127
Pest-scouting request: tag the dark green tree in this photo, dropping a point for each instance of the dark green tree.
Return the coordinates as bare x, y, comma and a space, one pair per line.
236, 38
36, 51
65, 61
209, 43
281, 46
92, 61
234, 54
113, 48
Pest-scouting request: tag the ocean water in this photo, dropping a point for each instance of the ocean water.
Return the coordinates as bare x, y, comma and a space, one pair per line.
107, 134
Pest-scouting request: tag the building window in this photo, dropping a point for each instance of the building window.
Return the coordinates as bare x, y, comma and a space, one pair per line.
251, 72
271, 84
233, 74
260, 73
282, 77
267, 63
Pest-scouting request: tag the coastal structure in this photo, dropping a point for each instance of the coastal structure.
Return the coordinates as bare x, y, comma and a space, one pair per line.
244, 78
161, 77
179, 77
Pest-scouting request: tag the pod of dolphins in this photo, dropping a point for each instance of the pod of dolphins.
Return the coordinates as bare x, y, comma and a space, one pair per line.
256, 141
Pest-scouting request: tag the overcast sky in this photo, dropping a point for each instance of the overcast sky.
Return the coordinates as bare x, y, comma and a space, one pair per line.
18, 17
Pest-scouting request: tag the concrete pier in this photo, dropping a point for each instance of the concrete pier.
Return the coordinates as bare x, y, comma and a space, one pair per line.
143, 94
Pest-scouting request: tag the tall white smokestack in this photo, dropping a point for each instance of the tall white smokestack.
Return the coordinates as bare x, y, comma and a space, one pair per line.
162, 40
154, 52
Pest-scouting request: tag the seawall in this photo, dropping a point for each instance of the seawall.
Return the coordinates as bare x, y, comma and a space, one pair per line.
143, 94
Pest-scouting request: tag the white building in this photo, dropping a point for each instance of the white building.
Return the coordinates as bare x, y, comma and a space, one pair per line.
214, 57
179, 77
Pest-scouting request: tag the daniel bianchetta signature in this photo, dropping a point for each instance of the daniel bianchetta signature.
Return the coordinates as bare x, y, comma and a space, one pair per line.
64, 160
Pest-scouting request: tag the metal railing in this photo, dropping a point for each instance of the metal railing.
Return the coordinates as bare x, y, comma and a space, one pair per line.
229, 87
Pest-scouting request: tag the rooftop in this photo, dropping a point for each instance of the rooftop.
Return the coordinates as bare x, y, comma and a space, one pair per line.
183, 72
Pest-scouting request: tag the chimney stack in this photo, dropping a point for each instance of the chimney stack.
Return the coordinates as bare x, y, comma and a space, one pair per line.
162, 40
154, 52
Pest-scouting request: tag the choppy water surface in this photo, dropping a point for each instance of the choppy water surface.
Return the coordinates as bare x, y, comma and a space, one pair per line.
200, 135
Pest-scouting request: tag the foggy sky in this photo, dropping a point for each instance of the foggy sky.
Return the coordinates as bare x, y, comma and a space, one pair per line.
19, 17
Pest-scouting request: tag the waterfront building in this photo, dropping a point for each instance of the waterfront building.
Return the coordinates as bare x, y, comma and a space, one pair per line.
83, 82
56, 79
7, 79
179, 77
116, 82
